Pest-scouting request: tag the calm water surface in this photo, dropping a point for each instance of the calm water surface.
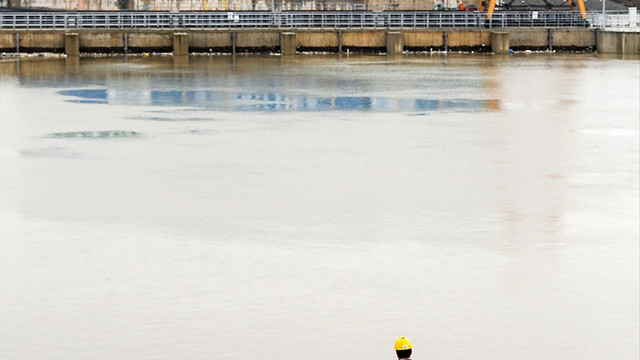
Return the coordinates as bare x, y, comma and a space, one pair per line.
317, 207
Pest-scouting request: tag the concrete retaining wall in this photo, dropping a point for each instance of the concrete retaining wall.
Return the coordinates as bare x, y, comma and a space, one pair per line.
318, 39
580, 38
364, 39
210, 39
105, 40
462, 39
532, 38
423, 39
152, 40
32, 40
618, 42
251, 39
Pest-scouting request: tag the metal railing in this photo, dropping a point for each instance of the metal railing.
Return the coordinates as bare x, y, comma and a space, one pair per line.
288, 19
612, 20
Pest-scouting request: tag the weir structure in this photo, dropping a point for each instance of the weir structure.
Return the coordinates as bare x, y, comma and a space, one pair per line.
393, 42
291, 32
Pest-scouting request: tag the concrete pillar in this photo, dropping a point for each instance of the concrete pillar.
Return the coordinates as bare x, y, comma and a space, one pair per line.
550, 39
395, 43
500, 42
17, 43
288, 43
180, 44
72, 44
340, 41
445, 41
234, 42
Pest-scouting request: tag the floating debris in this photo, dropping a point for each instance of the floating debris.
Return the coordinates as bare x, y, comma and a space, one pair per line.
107, 134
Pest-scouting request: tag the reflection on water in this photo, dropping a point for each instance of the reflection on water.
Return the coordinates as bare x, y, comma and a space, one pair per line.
215, 83
225, 101
95, 134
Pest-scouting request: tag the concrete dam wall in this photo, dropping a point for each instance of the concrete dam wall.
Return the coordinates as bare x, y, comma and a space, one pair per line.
255, 40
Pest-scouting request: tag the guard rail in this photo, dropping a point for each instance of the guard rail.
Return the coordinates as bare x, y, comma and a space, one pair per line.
287, 19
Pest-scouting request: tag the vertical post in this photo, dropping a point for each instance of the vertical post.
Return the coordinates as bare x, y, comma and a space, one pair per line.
288, 43
500, 42
72, 44
234, 41
445, 41
180, 44
340, 41
17, 42
633, 17
604, 15
395, 43
550, 39
125, 41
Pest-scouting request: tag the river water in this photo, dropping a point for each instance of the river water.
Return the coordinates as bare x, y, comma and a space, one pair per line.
319, 206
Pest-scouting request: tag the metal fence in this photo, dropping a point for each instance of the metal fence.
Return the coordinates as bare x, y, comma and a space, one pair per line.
613, 20
288, 19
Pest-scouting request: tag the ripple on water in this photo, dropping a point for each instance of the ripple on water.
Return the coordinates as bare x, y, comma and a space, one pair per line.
107, 134
58, 152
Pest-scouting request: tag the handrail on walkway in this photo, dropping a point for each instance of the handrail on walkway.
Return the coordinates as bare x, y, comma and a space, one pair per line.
287, 19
